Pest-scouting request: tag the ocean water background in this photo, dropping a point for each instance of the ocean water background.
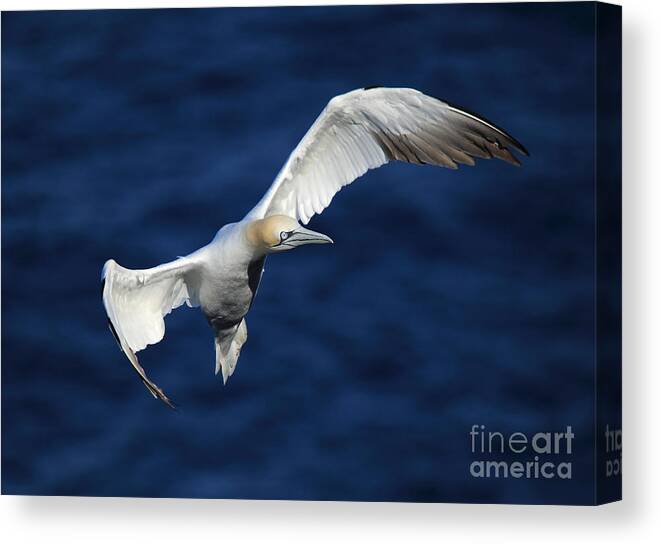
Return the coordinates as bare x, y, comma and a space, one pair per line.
449, 299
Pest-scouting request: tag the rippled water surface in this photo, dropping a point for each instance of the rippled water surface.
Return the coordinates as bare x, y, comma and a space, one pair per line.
449, 298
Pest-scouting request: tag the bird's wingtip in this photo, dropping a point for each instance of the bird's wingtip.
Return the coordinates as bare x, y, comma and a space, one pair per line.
520, 147
171, 404
159, 394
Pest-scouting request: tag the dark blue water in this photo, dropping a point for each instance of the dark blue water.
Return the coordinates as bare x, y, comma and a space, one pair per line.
449, 299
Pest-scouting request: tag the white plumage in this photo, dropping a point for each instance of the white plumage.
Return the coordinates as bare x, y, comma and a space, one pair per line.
357, 131
364, 129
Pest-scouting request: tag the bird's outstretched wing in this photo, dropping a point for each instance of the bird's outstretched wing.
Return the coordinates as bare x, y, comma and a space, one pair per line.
367, 128
136, 302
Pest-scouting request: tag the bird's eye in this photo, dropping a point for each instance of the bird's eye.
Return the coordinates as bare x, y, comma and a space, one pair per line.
284, 235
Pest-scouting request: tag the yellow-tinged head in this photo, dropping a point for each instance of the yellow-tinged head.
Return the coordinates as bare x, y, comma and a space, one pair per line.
280, 233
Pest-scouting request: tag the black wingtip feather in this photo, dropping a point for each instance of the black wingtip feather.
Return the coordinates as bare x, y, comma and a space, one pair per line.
169, 403
514, 142
153, 389
156, 391
114, 334
369, 87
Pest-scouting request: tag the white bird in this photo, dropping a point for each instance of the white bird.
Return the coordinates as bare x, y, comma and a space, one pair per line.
357, 131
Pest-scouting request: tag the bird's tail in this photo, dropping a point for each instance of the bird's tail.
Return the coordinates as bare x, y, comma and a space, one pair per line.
228, 347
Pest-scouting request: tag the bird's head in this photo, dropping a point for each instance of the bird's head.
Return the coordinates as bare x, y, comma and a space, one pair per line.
281, 233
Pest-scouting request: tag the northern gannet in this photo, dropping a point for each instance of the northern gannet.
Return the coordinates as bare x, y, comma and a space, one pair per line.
356, 131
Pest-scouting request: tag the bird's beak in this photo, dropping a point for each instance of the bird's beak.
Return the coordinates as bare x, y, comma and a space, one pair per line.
302, 236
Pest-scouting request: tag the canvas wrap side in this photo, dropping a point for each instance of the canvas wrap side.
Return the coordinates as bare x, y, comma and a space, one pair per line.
608, 269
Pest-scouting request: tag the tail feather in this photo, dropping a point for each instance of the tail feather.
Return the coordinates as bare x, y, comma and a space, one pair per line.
228, 344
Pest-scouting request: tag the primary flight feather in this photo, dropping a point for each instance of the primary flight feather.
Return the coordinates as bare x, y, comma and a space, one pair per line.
357, 131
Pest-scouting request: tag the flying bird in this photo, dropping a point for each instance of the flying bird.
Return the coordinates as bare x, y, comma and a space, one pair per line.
356, 132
